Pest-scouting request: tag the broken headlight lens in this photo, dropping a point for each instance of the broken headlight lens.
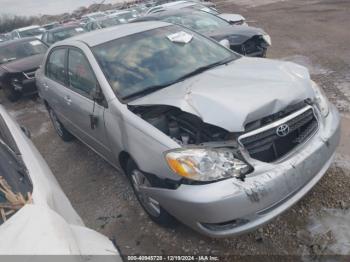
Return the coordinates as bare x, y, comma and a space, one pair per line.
320, 100
16, 84
206, 164
267, 39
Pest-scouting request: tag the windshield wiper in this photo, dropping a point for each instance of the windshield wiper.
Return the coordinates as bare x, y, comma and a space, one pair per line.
203, 68
197, 71
147, 90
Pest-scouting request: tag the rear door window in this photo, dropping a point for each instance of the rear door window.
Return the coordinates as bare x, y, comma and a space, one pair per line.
55, 66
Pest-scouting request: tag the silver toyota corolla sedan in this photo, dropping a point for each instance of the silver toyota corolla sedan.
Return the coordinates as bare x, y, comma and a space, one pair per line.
221, 142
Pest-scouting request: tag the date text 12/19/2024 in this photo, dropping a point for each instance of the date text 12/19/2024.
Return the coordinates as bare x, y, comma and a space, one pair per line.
173, 258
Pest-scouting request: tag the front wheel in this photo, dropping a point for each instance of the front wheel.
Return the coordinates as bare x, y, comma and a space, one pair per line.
63, 133
138, 180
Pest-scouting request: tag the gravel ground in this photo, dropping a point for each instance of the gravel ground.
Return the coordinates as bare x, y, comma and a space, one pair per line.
313, 33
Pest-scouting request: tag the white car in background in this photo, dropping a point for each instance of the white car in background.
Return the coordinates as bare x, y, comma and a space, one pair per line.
28, 31
91, 17
36, 217
124, 16
235, 19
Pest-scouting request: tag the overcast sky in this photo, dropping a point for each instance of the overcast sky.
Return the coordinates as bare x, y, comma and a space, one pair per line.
35, 7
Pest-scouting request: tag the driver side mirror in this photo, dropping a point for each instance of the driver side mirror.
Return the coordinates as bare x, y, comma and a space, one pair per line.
97, 95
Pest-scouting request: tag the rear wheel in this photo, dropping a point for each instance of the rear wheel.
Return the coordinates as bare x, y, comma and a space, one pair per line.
63, 133
138, 180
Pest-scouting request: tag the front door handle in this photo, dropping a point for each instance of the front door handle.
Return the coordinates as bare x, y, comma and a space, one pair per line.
68, 100
46, 86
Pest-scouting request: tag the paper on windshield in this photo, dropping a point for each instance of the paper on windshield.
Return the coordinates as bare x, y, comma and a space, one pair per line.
180, 37
35, 42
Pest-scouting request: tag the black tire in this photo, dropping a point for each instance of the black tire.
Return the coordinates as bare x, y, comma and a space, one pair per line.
163, 218
61, 131
11, 94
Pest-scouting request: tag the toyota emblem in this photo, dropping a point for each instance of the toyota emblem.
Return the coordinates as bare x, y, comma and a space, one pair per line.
282, 130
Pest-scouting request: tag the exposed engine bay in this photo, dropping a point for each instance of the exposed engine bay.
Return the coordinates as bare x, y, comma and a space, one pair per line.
182, 127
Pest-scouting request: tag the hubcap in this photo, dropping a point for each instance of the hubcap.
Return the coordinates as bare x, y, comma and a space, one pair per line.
139, 180
56, 124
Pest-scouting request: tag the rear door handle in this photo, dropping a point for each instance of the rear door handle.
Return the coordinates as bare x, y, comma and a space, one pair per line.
68, 100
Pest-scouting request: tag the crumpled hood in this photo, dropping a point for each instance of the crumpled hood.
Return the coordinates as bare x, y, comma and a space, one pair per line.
233, 95
25, 64
236, 34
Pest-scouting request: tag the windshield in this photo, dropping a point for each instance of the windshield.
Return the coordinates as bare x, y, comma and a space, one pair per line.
138, 62
198, 21
32, 32
19, 50
66, 33
109, 22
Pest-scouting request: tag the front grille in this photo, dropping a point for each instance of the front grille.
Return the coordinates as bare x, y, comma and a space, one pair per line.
276, 116
268, 146
255, 46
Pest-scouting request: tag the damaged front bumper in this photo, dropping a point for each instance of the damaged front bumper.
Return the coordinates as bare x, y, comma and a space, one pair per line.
232, 206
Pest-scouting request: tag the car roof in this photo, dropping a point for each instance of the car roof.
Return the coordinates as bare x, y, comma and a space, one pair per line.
171, 4
27, 28
119, 12
92, 14
62, 28
166, 13
101, 36
52, 23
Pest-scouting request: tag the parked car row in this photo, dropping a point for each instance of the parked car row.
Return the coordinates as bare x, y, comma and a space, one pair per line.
201, 17
245, 40
116, 18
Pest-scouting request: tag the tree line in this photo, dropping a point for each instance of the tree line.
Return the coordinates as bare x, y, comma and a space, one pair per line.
11, 22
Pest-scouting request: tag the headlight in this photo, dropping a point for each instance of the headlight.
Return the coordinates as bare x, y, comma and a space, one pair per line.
203, 164
320, 100
17, 85
267, 39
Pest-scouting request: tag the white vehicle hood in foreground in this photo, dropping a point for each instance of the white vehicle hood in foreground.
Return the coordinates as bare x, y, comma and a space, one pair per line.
37, 229
233, 95
49, 225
